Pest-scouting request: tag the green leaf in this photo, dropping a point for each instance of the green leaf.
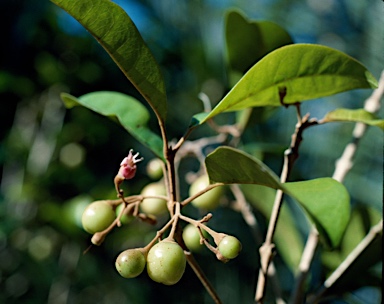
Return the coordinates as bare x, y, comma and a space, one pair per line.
327, 203
302, 71
118, 35
248, 41
129, 112
325, 200
231, 166
358, 115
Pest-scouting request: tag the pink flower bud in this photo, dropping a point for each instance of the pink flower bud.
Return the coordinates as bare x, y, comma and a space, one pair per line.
128, 166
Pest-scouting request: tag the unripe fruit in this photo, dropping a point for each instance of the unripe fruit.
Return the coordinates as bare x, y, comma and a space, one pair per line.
229, 247
97, 217
125, 218
166, 262
191, 237
155, 206
130, 263
155, 168
209, 200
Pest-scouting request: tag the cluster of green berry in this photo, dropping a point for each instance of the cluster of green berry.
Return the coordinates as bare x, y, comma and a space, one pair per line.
164, 259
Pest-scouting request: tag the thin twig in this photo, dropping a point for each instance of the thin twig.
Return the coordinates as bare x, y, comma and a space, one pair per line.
196, 146
251, 220
172, 188
375, 231
305, 263
191, 198
245, 209
203, 279
182, 139
268, 248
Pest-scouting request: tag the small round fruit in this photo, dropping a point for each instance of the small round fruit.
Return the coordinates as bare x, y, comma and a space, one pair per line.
125, 218
155, 206
191, 237
130, 263
155, 168
166, 262
209, 200
229, 247
97, 217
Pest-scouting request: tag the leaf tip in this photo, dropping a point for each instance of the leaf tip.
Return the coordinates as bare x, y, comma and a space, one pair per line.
198, 119
371, 80
68, 100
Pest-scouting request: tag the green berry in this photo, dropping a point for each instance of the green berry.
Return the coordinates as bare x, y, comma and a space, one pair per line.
229, 247
209, 200
97, 217
155, 206
191, 237
130, 263
125, 218
166, 262
155, 168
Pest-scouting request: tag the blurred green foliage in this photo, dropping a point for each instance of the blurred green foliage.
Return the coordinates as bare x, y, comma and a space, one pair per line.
53, 162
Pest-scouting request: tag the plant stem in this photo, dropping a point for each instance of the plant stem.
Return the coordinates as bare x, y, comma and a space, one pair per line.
297, 295
191, 198
250, 219
176, 220
244, 208
374, 233
172, 192
174, 208
160, 233
182, 139
290, 156
201, 276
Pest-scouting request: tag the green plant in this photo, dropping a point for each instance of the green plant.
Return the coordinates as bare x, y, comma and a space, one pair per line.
279, 74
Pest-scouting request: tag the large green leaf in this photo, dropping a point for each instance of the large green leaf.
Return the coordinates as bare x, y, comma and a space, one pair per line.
248, 41
131, 114
327, 203
301, 71
118, 35
231, 166
324, 199
358, 115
